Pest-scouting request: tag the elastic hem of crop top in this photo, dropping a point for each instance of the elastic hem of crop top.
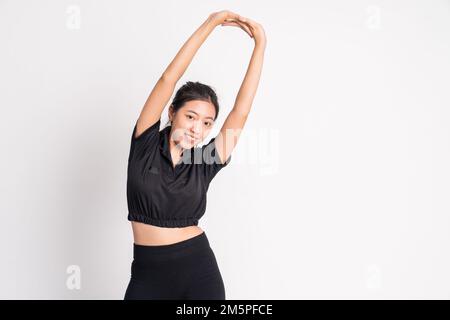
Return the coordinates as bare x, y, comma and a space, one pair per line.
174, 223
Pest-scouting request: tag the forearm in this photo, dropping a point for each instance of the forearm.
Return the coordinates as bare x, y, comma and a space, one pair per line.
250, 83
179, 64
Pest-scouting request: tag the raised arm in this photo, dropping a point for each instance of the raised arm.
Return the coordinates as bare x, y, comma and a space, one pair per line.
229, 134
164, 88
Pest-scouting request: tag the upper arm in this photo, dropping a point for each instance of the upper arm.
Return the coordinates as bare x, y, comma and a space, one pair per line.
217, 153
155, 104
227, 138
211, 162
145, 142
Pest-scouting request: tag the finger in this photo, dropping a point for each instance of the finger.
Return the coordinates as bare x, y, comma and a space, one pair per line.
243, 27
249, 22
237, 19
236, 24
233, 15
243, 19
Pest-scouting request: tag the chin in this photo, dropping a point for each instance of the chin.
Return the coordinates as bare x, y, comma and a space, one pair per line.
186, 144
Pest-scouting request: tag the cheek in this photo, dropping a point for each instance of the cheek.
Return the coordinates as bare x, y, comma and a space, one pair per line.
184, 121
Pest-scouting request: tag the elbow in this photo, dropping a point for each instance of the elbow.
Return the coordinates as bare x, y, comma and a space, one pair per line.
240, 113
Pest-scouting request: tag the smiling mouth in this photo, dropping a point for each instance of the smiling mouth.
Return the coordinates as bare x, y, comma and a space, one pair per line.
190, 138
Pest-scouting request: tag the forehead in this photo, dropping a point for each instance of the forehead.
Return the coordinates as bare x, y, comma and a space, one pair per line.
203, 109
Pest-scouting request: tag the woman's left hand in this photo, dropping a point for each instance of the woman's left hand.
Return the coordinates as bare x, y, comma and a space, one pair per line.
254, 29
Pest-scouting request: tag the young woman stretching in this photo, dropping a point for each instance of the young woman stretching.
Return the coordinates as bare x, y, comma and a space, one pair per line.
168, 175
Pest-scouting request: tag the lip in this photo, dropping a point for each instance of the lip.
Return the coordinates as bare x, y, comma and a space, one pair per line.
190, 138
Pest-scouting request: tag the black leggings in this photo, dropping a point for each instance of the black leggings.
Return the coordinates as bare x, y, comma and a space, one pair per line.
184, 270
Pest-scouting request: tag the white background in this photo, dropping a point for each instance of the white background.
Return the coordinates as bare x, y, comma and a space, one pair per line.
338, 187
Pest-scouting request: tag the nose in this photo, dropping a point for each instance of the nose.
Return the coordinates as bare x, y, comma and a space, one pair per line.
196, 131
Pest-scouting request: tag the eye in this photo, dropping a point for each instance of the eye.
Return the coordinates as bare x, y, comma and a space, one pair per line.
189, 116
208, 124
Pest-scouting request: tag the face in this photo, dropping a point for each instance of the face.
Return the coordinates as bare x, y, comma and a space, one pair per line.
192, 122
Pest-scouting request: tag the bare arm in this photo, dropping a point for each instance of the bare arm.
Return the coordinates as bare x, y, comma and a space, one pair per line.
229, 134
164, 88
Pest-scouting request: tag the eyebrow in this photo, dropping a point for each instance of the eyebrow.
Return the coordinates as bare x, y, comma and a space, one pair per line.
197, 114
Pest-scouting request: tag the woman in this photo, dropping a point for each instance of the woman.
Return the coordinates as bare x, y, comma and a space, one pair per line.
168, 176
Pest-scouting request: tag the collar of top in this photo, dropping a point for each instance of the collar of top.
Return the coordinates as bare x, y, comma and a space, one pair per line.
164, 145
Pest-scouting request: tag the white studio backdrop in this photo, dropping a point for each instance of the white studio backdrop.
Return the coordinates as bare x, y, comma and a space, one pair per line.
338, 187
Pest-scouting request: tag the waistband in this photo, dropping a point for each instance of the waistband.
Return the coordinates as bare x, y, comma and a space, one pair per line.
145, 252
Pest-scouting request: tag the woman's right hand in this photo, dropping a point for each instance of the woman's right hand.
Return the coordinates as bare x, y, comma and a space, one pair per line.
253, 28
219, 17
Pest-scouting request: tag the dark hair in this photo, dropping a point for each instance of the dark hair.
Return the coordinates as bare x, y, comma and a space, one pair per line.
195, 91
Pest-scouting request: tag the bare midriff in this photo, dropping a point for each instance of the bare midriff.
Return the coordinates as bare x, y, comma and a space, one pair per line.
146, 234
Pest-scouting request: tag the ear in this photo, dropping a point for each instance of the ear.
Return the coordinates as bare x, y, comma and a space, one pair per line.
171, 112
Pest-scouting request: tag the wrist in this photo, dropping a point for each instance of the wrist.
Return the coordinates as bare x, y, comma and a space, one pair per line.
211, 21
260, 45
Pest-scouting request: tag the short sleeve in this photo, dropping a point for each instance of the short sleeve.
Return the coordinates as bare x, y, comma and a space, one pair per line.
142, 144
211, 161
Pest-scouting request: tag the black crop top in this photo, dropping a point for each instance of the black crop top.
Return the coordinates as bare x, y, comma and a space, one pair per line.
160, 194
